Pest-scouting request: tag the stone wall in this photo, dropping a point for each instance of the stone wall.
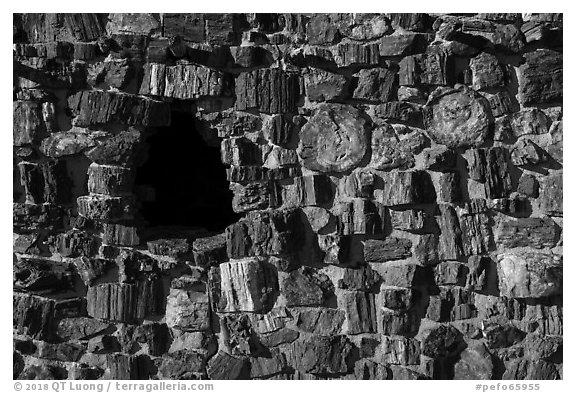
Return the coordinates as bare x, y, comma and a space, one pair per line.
399, 178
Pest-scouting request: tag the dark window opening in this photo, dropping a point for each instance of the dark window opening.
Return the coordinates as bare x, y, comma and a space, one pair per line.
188, 179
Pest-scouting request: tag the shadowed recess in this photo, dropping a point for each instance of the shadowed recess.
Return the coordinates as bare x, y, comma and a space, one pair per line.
187, 178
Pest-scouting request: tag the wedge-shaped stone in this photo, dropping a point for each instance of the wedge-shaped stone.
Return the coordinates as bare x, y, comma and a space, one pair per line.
318, 218
525, 152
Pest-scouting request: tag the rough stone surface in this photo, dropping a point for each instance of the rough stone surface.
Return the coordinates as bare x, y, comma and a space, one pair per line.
325, 86
529, 274
405, 187
389, 151
321, 150
321, 355
540, 79
486, 71
389, 205
246, 285
551, 191
526, 232
457, 119
474, 363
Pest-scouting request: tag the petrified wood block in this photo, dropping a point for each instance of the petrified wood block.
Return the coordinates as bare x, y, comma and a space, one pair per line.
334, 140
457, 118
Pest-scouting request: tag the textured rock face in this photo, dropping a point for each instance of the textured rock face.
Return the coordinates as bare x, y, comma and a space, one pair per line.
246, 285
398, 180
457, 119
334, 140
541, 77
530, 274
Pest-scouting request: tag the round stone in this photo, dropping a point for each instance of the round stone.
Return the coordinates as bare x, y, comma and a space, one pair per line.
335, 139
457, 118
